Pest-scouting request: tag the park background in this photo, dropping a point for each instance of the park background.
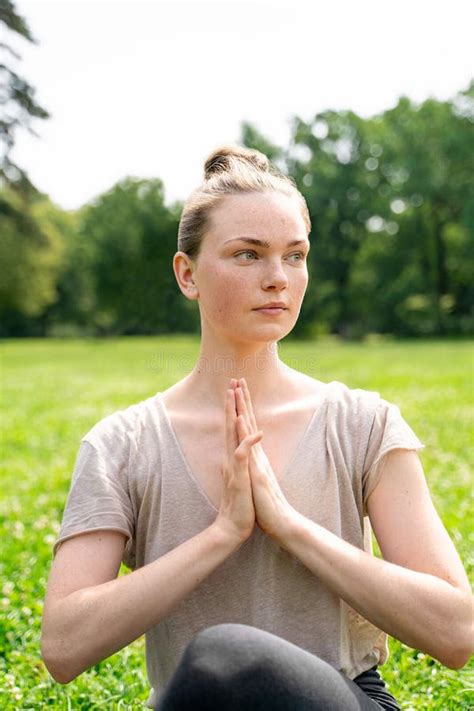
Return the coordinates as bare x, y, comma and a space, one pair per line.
91, 317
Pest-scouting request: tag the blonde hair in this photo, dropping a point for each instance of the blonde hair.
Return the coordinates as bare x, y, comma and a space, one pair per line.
231, 170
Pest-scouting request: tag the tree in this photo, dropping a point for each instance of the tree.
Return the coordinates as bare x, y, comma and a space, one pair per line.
31, 251
131, 236
392, 209
17, 98
326, 158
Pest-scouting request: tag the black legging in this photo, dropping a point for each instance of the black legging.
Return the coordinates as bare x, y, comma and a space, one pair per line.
232, 667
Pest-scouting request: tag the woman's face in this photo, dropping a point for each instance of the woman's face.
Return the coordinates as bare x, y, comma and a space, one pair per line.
235, 277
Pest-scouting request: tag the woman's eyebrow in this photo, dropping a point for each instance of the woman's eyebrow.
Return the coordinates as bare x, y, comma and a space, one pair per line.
263, 243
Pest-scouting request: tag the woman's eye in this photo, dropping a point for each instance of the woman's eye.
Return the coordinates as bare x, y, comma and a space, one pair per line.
301, 256
249, 251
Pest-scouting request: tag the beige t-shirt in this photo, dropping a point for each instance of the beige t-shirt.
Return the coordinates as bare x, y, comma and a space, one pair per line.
131, 475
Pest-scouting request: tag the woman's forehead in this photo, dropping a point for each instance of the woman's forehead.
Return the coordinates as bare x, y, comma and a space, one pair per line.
254, 212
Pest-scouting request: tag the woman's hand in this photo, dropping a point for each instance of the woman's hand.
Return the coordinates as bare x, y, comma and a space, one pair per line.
273, 512
236, 512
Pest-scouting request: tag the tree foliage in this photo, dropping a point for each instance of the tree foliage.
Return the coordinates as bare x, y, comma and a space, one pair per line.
31, 251
19, 107
127, 238
391, 200
392, 204
31, 237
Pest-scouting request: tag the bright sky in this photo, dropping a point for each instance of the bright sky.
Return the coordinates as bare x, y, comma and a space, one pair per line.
151, 88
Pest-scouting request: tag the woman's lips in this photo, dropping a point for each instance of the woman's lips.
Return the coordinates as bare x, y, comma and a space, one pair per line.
271, 311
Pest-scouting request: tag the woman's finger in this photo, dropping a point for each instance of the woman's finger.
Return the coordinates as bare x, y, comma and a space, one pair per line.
242, 408
240, 451
242, 428
231, 436
248, 440
248, 403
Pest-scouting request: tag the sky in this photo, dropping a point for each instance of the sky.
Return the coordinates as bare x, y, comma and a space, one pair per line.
150, 88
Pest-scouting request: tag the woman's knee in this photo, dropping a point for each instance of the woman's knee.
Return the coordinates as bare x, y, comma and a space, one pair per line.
231, 656
238, 664
221, 648
225, 633
231, 652
200, 680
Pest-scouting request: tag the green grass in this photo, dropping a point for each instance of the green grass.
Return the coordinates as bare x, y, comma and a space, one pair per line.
54, 391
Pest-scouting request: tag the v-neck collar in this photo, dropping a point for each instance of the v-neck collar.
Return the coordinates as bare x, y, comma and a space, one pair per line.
321, 397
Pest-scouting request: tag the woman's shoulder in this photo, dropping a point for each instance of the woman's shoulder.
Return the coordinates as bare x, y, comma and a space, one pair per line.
347, 397
340, 395
350, 412
124, 424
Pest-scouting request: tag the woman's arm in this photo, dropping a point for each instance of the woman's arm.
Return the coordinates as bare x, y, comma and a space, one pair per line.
85, 622
94, 622
420, 593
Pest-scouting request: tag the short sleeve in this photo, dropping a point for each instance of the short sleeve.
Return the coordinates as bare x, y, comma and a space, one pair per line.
98, 497
389, 431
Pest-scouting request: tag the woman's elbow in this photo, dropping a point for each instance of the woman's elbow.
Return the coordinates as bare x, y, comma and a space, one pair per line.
462, 653
56, 669
462, 646
59, 678
457, 660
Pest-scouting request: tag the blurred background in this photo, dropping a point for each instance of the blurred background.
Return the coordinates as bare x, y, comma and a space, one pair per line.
109, 110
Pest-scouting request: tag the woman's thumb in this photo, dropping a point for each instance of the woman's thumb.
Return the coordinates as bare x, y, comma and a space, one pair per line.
254, 438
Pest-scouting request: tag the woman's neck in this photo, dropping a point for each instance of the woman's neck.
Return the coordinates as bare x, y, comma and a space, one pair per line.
267, 377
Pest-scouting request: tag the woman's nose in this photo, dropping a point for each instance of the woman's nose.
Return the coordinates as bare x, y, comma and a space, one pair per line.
275, 276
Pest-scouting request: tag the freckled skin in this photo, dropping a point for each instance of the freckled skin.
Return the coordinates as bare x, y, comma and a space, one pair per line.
229, 280
231, 286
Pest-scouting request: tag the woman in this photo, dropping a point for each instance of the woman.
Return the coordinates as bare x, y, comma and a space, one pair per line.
242, 498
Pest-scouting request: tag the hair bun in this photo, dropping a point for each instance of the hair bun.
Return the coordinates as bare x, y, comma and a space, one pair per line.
223, 160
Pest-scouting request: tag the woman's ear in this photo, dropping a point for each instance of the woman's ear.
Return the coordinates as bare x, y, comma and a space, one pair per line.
183, 268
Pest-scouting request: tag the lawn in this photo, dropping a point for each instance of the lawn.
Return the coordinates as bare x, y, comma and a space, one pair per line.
54, 391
